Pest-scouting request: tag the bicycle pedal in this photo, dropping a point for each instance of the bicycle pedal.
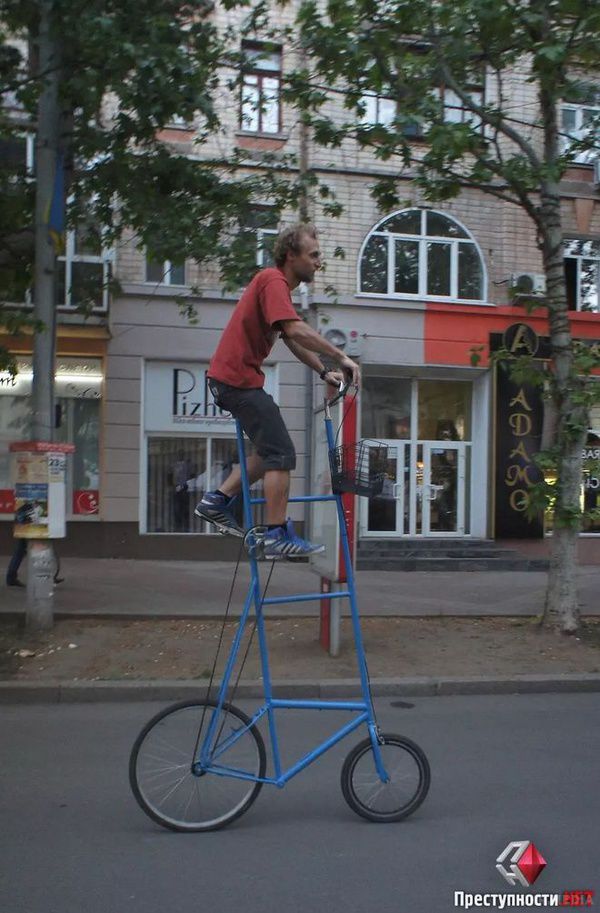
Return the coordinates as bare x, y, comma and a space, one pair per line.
254, 542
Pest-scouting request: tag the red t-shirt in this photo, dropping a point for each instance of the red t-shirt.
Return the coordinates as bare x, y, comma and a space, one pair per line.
250, 334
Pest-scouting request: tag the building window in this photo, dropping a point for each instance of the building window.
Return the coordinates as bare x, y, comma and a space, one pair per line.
78, 391
591, 476
180, 470
164, 272
421, 254
580, 120
454, 110
83, 273
17, 153
582, 275
261, 87
262, 225
378, 110
382, 110
190, 445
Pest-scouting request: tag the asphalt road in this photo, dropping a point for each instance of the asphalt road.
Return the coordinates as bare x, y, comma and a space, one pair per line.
506, 768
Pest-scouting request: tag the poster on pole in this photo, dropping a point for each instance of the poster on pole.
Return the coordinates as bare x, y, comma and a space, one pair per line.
324, 520
39, 472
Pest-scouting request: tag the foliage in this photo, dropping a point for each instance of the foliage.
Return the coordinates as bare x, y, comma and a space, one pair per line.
455, 72
127, 72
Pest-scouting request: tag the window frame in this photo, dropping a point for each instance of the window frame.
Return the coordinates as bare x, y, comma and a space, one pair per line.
29, 160
579, 258
586, 156
260, 74
365, 121
422, 239
105, 258
468, 117
167, 266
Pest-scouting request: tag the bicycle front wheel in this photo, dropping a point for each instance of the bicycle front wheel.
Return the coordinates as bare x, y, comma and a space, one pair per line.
168, 785
409, 778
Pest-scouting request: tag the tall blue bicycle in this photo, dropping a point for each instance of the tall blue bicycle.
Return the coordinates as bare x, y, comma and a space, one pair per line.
199, 765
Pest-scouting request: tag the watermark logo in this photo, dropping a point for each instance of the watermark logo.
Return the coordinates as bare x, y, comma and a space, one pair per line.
524, 860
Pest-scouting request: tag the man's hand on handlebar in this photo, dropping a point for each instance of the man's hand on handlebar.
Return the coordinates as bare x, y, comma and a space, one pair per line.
351, 371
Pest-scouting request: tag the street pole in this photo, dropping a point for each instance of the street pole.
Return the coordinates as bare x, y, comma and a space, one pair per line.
40, 581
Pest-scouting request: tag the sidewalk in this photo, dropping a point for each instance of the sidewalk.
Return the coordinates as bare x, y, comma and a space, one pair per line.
117, 588
148, 630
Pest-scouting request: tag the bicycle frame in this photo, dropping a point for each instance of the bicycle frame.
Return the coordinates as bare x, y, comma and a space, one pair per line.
207, 757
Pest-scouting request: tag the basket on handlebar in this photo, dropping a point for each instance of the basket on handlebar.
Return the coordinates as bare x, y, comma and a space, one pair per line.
359, 468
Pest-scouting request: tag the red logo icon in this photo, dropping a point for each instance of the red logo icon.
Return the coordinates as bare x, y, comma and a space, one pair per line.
86, 502
526, 863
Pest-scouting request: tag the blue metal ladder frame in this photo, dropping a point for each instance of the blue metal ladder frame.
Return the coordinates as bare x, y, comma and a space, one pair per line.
208, 756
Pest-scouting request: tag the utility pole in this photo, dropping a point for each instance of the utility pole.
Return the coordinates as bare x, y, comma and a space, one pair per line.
40, 579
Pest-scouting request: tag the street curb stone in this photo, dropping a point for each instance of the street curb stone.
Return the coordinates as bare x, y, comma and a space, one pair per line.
174, 690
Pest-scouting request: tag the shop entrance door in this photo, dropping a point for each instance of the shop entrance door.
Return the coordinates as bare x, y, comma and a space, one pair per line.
388, 515
442, 489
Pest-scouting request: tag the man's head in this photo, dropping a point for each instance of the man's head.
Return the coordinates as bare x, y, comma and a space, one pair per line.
297, 253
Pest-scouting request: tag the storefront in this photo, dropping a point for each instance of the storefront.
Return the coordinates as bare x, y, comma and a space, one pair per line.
189, 445
436, 432
78, 420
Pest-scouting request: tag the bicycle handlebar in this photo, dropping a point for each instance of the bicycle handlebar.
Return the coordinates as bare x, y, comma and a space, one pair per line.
343, 390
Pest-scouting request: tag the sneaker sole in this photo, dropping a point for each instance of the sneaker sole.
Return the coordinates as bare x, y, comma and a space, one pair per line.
223, 528
297, 557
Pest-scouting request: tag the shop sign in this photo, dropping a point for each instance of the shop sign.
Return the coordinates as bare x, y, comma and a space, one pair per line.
177, 398
519, 418
521, 339
75, 378
591, 468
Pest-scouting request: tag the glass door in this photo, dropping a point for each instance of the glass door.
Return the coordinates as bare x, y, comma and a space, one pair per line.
442, 493
387, 515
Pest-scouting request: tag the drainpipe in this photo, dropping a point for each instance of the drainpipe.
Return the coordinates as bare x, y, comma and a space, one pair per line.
308, 313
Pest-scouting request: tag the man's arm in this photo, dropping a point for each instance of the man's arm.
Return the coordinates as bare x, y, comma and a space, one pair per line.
313, 361
302, 341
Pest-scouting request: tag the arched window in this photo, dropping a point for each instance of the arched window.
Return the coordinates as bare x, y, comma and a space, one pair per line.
420, 253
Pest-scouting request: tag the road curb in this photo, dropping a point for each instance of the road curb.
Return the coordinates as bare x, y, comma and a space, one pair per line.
174, 690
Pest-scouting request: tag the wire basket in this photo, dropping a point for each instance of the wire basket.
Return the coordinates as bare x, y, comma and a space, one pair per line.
359, 468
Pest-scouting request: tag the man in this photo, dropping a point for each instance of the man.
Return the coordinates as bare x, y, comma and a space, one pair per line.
236, 381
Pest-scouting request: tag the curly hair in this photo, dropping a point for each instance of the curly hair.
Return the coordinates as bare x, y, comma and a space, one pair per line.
290, 240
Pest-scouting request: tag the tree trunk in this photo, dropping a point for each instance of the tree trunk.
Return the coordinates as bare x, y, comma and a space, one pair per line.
40, 586
571, 425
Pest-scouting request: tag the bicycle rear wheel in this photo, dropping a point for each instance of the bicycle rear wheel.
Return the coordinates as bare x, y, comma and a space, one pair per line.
408, 784
177, 795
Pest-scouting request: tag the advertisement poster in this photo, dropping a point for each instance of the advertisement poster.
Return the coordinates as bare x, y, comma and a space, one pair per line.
31, 496
31, 510
39, 474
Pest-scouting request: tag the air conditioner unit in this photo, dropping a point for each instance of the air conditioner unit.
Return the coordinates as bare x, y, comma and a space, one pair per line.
528, 285
349, 341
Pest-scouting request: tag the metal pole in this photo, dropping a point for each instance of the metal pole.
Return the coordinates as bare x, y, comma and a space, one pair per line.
40, 582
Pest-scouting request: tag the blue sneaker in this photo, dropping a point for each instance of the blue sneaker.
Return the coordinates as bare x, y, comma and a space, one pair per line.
284, 543
217, 510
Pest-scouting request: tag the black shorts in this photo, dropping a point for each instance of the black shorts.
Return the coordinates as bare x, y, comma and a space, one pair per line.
261, 420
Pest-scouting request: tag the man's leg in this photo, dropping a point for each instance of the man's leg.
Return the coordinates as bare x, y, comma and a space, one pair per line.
277, 491
218, 509
20, 550
233, 483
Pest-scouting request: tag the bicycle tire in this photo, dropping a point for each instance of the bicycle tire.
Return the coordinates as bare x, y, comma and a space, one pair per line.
410, 778
185, 805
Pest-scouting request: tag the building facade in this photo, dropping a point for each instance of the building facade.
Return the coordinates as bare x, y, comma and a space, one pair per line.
421, 296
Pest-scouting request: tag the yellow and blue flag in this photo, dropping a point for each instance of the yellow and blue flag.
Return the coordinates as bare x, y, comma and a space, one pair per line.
56, 208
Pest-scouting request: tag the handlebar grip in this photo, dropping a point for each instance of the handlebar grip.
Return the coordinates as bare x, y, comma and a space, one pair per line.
344, 387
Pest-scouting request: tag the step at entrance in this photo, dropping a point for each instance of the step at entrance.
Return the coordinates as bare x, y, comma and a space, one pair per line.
442, 555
